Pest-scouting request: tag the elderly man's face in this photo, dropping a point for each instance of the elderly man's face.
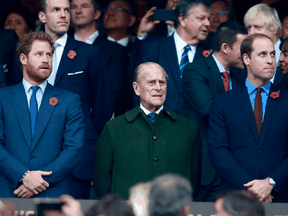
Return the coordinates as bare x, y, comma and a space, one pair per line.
152, 87
219, 11
257, 25
118, 16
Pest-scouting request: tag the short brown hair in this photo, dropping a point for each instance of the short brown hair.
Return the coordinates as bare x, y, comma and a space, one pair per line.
247, 43
25, 44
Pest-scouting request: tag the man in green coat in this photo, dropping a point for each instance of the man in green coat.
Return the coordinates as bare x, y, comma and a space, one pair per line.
147, 141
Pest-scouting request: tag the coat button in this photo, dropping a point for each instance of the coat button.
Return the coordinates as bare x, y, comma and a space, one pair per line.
155, 138
31, 156
257, 170
259, 152
156, 159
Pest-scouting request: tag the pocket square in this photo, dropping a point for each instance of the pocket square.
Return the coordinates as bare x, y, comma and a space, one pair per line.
79, 72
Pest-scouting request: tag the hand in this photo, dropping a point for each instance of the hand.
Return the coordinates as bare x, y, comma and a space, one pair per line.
34, 181
71, 208
262, 188
23, 192
268, 199
147, 23
7, 209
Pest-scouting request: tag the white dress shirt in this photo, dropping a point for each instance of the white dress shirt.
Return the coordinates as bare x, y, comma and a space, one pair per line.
89, 40
124, 41
148, 112
222, 69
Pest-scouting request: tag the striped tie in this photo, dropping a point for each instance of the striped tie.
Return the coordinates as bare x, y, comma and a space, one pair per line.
184, 59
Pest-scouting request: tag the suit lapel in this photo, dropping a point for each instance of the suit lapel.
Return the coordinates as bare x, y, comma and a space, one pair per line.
170, 52
246, 106
21, 109
65, 61
269, 113
44, 114
214, 70
199, 52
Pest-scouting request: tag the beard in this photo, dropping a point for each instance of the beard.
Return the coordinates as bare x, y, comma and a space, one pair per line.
35, 74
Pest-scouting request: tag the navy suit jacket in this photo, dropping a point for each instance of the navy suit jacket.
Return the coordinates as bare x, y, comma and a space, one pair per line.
57, 144
93, 85
201, 82
281, 80
163, 52
236, 150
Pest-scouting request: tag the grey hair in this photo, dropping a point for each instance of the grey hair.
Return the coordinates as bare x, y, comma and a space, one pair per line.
137, 74
268, 14
169, 194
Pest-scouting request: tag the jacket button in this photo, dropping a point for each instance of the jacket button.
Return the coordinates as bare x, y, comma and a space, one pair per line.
155, 138
156, 159
259, 152
257, 170
31, 156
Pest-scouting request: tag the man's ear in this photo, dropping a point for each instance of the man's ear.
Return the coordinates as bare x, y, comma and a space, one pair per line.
246, 59
132, 20
182, 20
42, 16
97, 14
225, 48
136, 88
23, 59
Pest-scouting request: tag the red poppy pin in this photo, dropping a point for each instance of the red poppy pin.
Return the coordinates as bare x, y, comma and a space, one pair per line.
71, 54
205, 53
275, 95
53, 101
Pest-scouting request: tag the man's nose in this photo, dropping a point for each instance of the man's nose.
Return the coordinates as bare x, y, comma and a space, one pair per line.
251, 30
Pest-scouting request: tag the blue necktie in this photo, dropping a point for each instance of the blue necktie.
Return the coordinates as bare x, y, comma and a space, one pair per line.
33, 108
184, 59
152, 117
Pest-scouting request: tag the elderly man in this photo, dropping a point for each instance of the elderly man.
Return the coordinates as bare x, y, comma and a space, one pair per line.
247, 134
147, 141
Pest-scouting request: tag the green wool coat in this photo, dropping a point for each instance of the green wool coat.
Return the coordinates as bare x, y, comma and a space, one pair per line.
130, 150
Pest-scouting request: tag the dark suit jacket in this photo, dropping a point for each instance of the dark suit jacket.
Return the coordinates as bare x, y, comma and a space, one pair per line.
2, 77
130, 150
57, 144
236, 150
8, 41
116, 58
93, 85
163, 52
201, 82
281, 80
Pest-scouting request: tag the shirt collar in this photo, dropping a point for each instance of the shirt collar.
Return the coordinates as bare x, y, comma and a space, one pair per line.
170, 30
124, 41
89, 40
148, 112
27, 85
62, 40
251, 88
219, 65
180, 43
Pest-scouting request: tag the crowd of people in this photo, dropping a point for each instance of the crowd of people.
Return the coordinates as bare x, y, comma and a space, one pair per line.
99, 96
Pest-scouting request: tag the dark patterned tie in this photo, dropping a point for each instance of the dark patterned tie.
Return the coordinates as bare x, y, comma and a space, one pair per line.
258, 109
152, 117
226, 82
33, 108
184, 59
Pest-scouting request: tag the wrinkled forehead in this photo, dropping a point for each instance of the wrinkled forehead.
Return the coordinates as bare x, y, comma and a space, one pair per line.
151, 70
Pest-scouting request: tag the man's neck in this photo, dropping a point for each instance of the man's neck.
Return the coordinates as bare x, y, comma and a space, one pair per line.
187, 38
256, 82
85, 32
222, 60
117, 34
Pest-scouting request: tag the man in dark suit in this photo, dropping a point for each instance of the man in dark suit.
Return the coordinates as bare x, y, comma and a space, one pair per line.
80, 68
250, 149
147, 141
85, 18
184, 46
42, 127
202, 80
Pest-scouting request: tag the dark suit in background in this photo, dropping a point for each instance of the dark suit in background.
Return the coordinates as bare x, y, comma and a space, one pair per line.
2, 77
237, 151
201, 82
57, 144
163, 52
281, 80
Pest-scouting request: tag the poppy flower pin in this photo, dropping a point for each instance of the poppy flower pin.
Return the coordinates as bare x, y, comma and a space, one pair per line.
205, 53
275, 95
71, 54
53, 101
